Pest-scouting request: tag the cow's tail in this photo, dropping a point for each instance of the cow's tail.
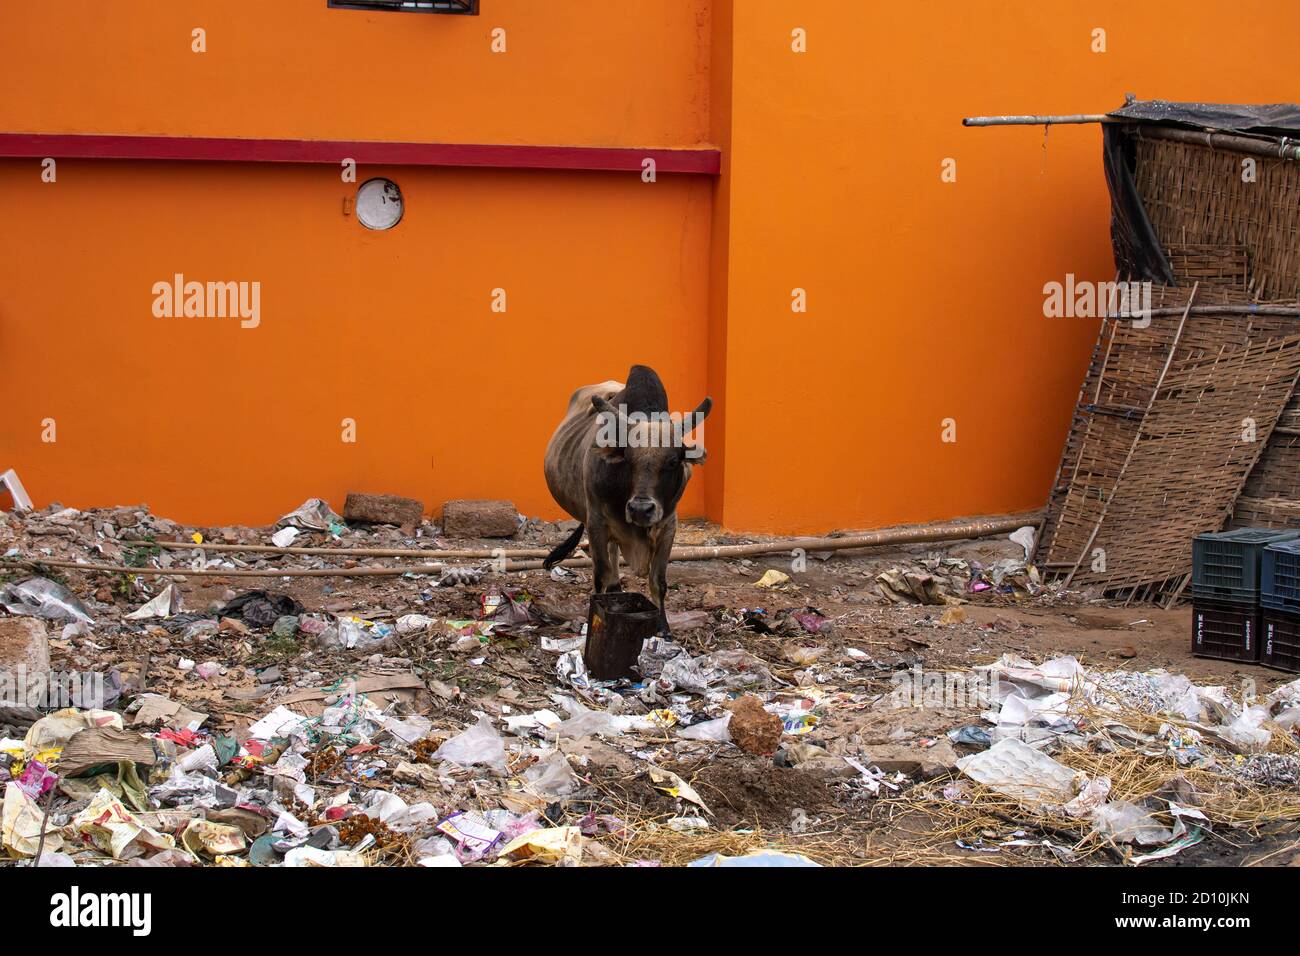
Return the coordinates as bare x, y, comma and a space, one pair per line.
565, 549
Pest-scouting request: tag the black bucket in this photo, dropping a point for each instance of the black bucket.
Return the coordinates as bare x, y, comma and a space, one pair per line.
618, 623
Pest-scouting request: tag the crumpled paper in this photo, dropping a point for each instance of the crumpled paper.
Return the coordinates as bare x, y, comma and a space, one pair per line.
312, 515
20, 824
115, 830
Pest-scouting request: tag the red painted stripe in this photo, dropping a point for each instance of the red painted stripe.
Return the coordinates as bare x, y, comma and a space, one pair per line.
704, 161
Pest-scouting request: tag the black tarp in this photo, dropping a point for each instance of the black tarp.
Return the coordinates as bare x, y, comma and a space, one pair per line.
1272, 119
1138, 252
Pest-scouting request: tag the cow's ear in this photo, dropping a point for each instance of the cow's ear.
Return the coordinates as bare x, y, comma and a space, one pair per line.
693, 453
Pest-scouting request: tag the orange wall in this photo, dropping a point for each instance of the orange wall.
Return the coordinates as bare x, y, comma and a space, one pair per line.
212, 423
580, 72
925, 298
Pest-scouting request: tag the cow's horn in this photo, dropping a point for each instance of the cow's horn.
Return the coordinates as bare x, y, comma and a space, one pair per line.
701, 413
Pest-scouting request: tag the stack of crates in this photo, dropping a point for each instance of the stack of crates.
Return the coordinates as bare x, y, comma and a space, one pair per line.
1226, 578
1279, 599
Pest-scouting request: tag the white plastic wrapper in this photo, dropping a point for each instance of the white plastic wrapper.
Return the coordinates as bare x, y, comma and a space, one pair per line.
552, 776
1125, 822
478, 746
718, 730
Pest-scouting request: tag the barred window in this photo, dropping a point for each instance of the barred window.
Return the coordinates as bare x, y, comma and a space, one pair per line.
466, 7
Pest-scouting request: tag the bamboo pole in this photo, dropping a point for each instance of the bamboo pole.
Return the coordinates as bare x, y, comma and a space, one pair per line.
945, 531
391, 571
1282, 310
350, 552
1076, 119
977, 527
1284, 147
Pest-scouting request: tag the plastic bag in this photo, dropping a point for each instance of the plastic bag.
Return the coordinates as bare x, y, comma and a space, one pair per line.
1246, 731
552, 776
478, 745
584, 722
718, 730
1125, 822
41, 597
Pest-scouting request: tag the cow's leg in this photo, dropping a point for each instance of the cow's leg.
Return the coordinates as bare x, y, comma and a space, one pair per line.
659, 576
612, 556
604, 570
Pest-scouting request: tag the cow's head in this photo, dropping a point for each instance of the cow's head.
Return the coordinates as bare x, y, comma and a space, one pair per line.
645, 459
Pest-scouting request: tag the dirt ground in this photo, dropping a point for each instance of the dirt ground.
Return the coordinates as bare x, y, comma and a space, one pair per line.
866, 642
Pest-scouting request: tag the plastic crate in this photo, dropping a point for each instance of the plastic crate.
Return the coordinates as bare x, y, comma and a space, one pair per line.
1229, 632
1226, 565
1279, 584
1280, 640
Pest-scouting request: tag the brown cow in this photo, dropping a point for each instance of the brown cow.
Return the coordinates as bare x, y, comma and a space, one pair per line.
619, 463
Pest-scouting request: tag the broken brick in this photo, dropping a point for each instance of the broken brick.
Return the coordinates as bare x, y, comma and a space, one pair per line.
479, 519
382, 509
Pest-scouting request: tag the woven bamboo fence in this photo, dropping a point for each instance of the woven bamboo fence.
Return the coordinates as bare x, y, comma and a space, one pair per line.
1157, 450
1171, 420
1197, 195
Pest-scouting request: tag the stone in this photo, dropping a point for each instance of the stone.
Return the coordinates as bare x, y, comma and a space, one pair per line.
466, 518
24, 643
382, 509
568, 525
752, 728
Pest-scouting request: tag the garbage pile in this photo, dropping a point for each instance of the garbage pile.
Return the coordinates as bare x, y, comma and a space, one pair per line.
951, 580
434, 720
1135, 766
